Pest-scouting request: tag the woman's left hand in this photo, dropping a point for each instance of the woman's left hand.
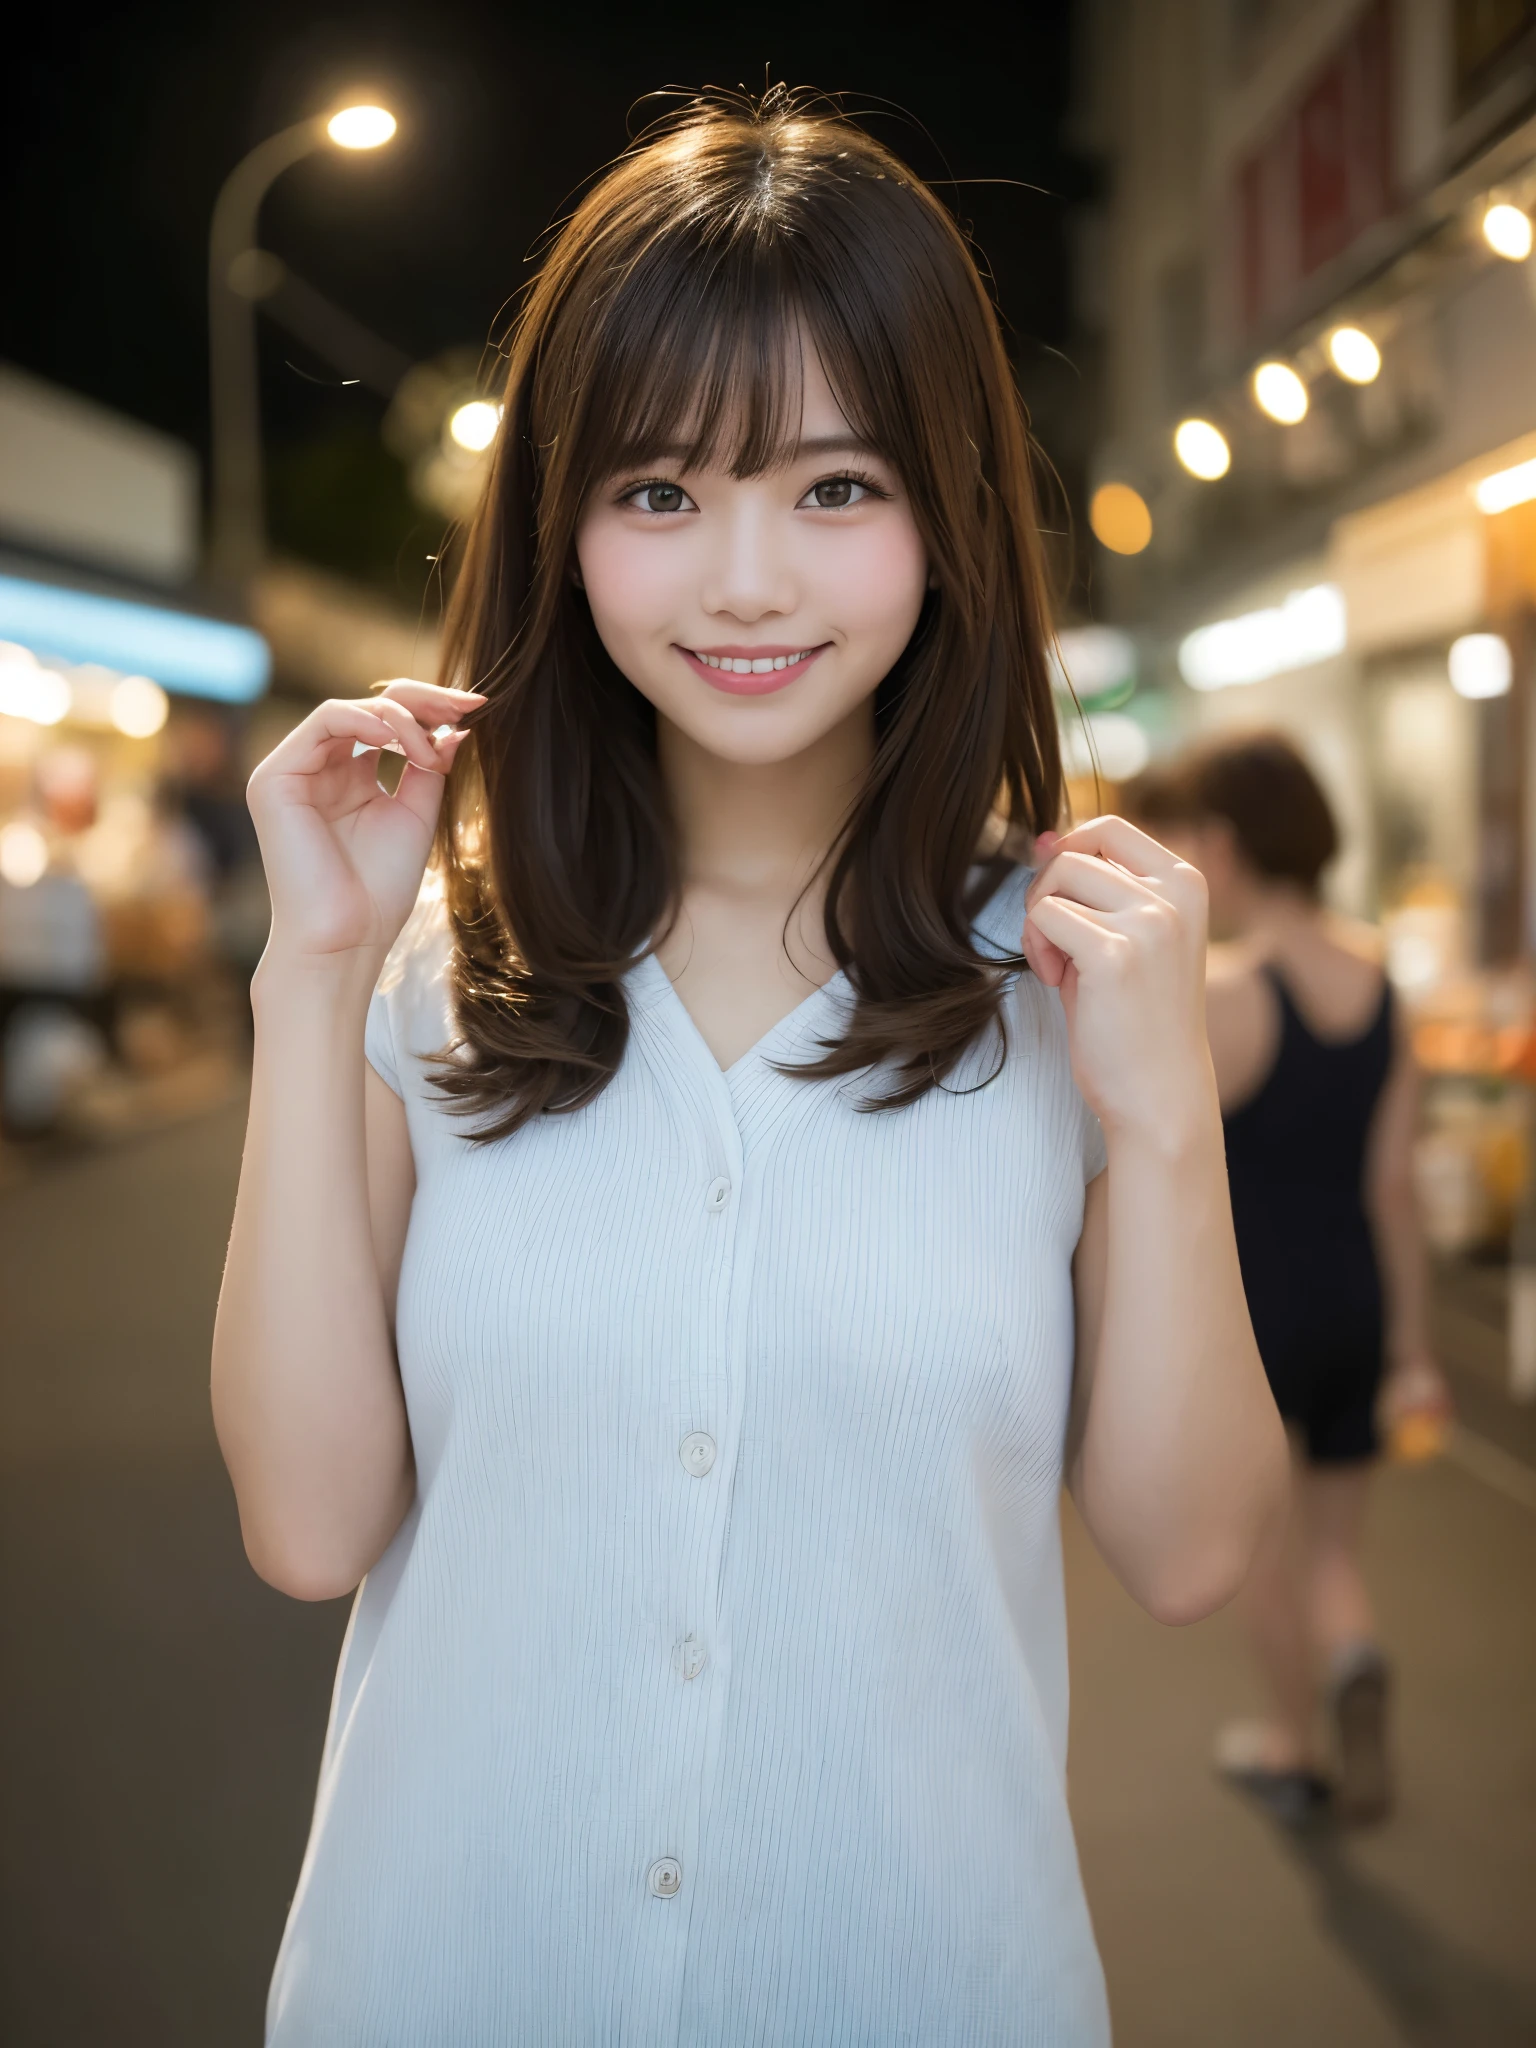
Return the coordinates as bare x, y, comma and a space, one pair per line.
1118, 924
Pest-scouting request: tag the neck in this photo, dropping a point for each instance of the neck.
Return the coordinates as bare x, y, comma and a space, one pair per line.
762, 828
1274, 912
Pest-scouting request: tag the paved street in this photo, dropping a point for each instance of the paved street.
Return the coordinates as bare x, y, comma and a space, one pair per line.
161, 1711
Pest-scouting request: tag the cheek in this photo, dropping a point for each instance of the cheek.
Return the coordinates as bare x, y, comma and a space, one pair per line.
628, 584
875, 579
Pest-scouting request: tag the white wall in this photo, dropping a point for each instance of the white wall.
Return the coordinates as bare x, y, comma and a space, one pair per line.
79, 481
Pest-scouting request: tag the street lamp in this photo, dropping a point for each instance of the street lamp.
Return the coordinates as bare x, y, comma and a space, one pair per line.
238, 539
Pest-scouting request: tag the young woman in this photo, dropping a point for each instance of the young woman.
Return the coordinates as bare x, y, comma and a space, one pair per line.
1320, 1096
677, 1293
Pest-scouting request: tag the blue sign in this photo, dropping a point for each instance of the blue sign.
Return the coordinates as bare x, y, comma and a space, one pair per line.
197, 657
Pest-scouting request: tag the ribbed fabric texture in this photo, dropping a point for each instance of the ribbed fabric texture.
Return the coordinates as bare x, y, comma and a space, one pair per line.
719, 1377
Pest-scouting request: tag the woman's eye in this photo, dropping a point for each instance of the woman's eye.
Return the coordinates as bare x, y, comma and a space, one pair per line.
660, 498
834, 492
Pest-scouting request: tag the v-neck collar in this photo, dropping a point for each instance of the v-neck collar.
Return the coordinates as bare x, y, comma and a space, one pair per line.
655, 988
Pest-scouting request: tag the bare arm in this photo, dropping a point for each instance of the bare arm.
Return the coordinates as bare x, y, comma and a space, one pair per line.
1393, 1206
1176, 1456
306, 1393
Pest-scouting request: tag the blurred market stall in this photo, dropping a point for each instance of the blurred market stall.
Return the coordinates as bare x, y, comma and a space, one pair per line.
130, 897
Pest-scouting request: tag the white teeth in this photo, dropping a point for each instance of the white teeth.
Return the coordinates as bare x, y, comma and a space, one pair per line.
759, 665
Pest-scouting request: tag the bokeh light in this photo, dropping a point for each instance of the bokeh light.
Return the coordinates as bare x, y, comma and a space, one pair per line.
23, 853
1507, 231
1506, 488
1279, 392
473, 426
1354, 355
30, 691
1202, 449
1120, 519
1481, 665
139, 707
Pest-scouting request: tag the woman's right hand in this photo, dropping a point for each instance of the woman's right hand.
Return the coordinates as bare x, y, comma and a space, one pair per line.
344, 858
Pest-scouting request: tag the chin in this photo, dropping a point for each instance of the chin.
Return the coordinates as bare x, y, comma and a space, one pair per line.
755, 732
753, 741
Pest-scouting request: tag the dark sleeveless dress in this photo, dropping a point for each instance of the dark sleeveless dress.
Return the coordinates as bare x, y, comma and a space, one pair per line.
1296, 1163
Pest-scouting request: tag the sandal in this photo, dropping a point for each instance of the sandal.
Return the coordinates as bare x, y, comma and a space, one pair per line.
1293, 1796
1358, 1696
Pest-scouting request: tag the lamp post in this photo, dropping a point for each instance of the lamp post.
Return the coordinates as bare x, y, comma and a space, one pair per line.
237, 540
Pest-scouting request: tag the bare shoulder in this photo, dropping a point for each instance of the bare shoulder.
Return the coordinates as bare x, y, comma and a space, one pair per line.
1361, 941
1241, 1022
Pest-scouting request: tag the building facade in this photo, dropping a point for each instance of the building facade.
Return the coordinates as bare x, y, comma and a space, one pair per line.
1311, 301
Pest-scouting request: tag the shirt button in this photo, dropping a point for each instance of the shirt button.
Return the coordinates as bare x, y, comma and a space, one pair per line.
719, 1194
665, 1877
690, 1657
697, 1453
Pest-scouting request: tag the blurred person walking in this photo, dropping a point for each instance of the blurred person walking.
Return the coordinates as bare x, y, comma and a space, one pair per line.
1320, 1103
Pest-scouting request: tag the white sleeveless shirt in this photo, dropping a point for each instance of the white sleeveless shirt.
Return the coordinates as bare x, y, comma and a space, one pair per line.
714, 1691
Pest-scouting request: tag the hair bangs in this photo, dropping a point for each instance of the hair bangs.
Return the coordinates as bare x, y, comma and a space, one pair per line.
701, 362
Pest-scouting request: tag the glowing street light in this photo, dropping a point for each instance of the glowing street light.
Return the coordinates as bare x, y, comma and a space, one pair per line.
473, 426
1202, 449
237, 519
1354, 355
361, 127
1507, 231
1278, 391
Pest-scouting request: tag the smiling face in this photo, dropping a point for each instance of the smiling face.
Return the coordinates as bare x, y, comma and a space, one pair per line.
758, 613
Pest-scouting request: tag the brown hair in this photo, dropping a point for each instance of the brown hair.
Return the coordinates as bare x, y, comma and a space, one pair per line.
1261, 787
667, 314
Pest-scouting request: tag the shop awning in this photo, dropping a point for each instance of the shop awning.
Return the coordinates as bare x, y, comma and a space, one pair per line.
181, 651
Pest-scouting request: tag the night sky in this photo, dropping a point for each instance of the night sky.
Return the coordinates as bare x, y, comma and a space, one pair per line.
120, 126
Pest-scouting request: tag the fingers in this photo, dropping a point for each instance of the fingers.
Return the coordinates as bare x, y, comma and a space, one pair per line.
1118, 840
432, 703
1075, 932
311, 745
1083, 878
1062, 920
421, 791
425, 730
1048, 961
412, 737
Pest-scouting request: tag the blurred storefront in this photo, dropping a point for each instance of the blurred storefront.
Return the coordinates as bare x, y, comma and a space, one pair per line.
1311, 305
130, 895
133, 706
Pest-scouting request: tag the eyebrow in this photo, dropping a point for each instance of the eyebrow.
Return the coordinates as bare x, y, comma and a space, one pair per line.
816, 445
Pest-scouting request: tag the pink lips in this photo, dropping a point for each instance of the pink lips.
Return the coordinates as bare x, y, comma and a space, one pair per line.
734, 685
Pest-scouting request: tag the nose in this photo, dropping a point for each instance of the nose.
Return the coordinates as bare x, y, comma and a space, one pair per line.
749, 575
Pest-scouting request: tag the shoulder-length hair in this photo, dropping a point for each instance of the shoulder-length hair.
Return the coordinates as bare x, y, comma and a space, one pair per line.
669, 313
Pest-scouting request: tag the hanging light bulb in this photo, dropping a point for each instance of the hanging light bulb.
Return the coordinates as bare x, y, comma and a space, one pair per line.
1354, 355
1507, 231
1202, 449
1278, 391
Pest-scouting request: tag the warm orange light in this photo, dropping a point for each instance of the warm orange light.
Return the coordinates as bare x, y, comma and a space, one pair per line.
1120, 519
